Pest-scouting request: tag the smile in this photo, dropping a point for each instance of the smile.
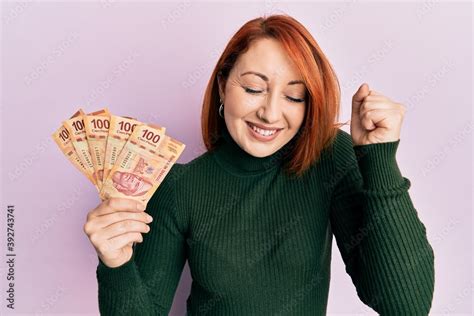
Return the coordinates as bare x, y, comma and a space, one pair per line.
263, 134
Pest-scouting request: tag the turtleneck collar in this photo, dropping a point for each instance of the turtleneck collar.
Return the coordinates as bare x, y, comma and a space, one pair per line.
235, 159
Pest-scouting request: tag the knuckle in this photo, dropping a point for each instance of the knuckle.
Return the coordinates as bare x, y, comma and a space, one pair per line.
110, 244
129, 223
102, 248
111, 202
125, 225
121, 227
87, 228
94, 238
121, 215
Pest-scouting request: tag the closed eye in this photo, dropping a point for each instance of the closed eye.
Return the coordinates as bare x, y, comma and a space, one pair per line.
251, 91
295, 100
248, 90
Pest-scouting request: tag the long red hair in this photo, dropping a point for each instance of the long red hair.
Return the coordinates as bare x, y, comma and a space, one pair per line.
318, 129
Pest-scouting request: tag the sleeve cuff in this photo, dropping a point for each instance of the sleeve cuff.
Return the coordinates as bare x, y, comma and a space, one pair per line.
378, 165
120, 278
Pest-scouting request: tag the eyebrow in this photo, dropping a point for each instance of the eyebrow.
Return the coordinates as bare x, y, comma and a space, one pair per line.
265, 78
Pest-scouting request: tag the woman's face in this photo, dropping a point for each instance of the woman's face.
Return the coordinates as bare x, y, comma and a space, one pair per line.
264, 99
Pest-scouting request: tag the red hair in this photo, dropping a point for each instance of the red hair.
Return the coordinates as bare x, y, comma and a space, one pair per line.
318, 129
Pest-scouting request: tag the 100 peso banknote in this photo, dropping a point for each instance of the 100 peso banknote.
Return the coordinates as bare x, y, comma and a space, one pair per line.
62, 137
121, 156
75, 127
145, 160
97, 129
120, 130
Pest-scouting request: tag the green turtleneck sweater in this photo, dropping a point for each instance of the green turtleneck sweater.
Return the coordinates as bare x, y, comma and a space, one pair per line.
259, 242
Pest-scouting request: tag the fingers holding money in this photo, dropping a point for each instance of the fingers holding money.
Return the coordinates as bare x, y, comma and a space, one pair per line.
124, 227
112, 211
123, 240
118, 244
109, 219
113, 226
113, 205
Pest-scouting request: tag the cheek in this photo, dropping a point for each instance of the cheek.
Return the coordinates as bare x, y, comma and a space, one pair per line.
295, 115
239, 104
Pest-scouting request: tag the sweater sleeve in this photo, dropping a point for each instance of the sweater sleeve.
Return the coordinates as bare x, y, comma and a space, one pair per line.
382, 241
146, 284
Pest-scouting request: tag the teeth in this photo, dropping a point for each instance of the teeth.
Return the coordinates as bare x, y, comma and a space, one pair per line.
263, 132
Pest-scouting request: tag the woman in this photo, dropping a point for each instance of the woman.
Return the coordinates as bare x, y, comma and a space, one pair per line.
255, 214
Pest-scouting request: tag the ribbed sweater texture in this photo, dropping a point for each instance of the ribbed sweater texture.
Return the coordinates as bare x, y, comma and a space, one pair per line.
258, 242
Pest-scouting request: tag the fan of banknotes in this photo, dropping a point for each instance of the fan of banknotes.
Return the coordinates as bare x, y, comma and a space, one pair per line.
121, 156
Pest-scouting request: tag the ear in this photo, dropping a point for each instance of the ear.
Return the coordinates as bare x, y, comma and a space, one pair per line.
221, 84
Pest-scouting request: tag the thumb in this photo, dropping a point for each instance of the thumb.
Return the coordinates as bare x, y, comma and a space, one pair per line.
359, 96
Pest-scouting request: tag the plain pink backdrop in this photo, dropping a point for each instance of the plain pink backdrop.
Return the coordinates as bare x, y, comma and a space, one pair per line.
152, 60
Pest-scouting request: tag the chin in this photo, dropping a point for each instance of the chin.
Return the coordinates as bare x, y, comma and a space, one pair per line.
260, 150
260, 153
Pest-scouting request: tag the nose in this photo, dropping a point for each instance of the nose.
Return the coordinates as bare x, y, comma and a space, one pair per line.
270, 112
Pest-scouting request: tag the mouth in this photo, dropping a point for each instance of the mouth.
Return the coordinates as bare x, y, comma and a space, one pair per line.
262, 134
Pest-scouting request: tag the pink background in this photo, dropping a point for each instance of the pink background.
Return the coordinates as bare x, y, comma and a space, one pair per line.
153, 60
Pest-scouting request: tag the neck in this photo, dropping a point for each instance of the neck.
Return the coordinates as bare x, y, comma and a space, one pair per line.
235, 159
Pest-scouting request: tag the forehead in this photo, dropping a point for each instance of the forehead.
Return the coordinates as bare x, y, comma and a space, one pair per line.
270, 58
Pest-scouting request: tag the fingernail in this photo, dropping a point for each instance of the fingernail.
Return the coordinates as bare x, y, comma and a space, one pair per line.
150, 219
140, 207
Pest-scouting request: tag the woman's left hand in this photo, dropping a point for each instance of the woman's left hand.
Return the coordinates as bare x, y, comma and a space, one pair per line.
375, 118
